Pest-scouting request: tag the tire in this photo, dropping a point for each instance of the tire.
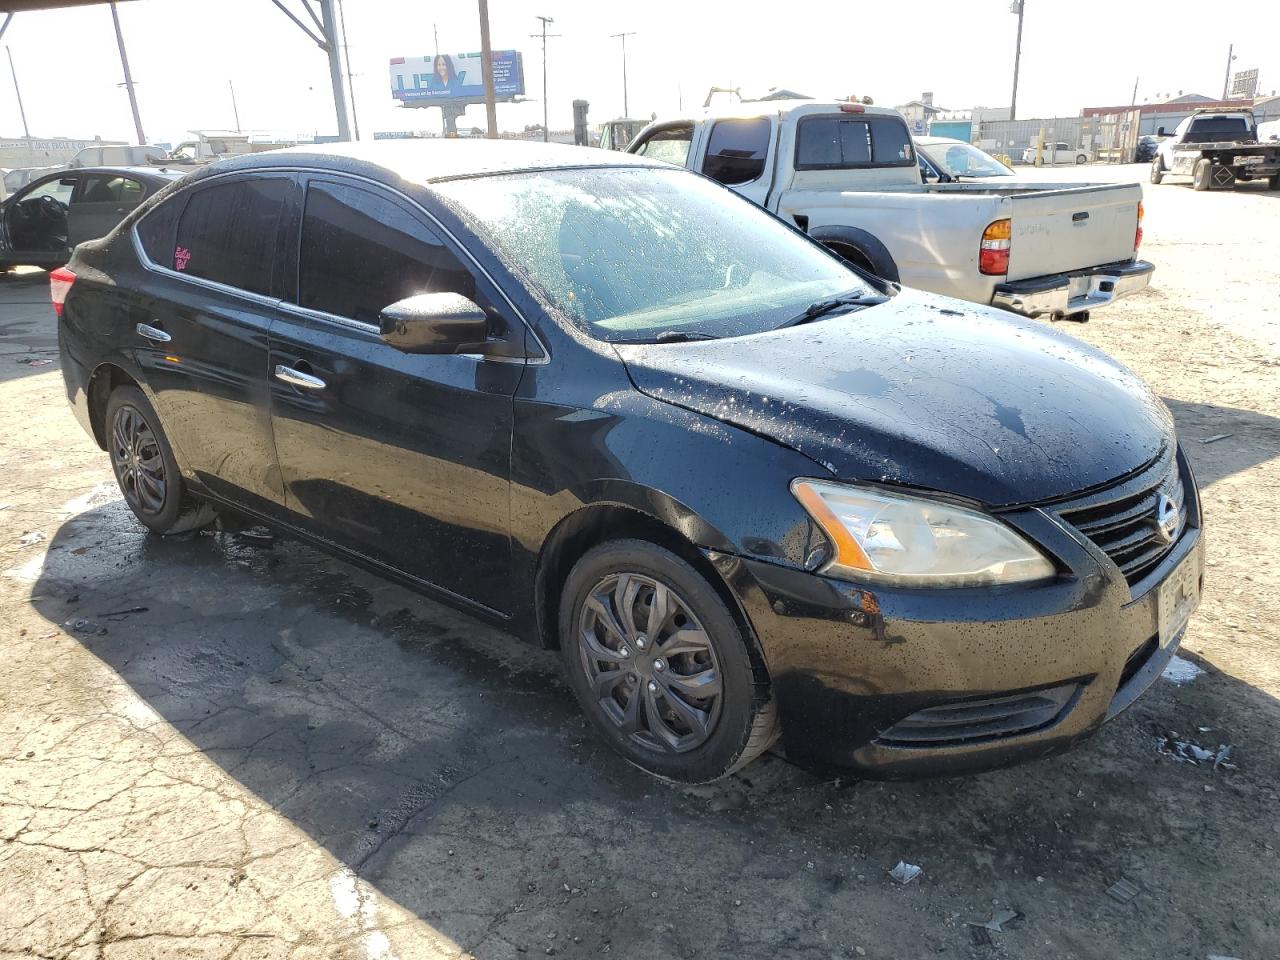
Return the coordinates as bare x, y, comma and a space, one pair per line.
1274, 182
1157, 171
1081, 158
1201, 176
638, 710
145, 468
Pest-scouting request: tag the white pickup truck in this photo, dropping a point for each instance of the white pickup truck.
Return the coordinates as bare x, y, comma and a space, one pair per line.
846, 174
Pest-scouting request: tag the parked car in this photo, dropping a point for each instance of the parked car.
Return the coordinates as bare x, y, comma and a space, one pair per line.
846, 174
19, 177
611, 406
1055, 153
119, 155
944, 160
1269, 132
1147, 147
1217, 148
40, 223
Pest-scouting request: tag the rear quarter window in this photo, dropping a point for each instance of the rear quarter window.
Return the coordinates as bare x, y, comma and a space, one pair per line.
228, 232
155, 230
848, 142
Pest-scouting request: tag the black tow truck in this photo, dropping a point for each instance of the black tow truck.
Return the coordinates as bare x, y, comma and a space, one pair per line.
1217, 148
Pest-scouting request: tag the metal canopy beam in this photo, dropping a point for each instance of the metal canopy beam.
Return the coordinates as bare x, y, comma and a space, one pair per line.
25, 6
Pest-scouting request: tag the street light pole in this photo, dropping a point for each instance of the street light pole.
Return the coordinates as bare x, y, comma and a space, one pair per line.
546, 134
128, 78
1016, 7
18, 91
234, 109
1226, 81
626, 109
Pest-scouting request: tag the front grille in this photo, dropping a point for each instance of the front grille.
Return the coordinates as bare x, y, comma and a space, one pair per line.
968, 720
1121, 520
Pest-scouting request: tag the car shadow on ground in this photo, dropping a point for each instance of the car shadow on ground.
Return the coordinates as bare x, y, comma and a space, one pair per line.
447, 764
28, 330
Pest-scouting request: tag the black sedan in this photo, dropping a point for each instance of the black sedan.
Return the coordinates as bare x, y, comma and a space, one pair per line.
610, 405
43, 221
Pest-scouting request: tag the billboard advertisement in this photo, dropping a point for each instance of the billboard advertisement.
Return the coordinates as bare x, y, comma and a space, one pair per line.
454, 78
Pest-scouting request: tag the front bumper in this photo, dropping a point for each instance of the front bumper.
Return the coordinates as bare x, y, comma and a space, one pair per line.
865, 678
1076, 291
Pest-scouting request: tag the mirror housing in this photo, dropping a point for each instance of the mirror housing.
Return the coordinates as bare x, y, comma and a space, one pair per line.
1160, 132
437, 323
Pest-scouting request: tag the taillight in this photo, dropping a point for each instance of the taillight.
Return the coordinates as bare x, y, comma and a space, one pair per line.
1137, 236
993, 256
60, 282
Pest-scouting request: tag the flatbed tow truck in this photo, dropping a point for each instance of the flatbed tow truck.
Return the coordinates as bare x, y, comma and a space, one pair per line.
1217, 148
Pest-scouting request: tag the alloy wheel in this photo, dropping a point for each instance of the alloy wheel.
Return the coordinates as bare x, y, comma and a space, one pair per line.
139, 465
649, 662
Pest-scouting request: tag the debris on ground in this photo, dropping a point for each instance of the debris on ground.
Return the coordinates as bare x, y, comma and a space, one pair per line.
1123, 890
997, 922
83, 625
34, 361
125, 612
1173, 745
30, 538
1216, 437
1220, 758
1181, 671
905, 872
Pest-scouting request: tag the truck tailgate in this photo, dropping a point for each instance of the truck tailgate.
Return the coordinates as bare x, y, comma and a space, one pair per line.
1059, 230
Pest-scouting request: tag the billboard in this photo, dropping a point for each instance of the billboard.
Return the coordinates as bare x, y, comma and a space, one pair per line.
454, 78
1245, 84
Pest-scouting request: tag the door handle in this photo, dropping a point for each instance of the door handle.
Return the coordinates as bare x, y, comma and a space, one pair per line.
298, 379
154, 334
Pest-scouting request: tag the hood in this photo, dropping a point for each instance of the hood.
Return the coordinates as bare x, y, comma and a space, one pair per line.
925, 392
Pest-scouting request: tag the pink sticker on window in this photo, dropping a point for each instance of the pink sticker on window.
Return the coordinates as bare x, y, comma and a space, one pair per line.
180, 257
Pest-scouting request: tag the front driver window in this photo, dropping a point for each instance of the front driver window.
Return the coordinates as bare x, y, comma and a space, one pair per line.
670, 145
737, 149
362, 252
60, 189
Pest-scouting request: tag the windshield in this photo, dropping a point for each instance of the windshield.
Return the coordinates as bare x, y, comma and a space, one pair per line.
631, 253
963, 160
1214, 129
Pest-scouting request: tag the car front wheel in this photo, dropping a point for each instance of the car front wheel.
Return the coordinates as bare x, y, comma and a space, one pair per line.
145, 468
660, 666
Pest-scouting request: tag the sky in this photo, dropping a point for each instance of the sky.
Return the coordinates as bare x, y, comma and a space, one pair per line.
184, 54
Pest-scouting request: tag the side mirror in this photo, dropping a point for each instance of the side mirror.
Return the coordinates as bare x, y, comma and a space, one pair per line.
435, 323
1160, 132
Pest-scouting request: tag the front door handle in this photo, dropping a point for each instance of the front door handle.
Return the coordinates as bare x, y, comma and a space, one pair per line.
298, 379
154, 334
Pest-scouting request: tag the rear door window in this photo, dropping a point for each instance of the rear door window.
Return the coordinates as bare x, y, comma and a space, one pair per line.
108, 188
737, 149
837, 142
1212, 129
362, 251
229, 233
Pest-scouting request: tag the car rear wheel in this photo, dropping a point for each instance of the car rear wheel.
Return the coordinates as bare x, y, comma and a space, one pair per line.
145, 469
1157, 170
660, 666
1081, 158
1202, 175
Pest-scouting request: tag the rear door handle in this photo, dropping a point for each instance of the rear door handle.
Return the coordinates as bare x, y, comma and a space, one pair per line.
154, 334
298, 379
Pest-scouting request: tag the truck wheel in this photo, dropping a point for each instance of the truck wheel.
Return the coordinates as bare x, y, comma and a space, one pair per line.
1274, 182
1157, 171
1202, 175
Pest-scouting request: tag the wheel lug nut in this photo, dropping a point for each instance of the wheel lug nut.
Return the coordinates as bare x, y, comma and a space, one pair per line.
659, 664
625, 652
653, 687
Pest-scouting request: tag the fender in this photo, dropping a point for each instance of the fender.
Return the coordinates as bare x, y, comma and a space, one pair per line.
868, 245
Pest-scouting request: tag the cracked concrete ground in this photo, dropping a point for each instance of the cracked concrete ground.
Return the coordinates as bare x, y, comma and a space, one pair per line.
224, 746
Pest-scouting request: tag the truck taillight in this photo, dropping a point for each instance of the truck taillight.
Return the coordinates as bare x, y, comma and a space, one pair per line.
60, 282
993, 255
1137, 235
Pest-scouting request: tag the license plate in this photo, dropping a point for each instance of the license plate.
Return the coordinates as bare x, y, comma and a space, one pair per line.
1178, 597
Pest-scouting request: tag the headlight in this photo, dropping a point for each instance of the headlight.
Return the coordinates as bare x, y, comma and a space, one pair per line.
914, 541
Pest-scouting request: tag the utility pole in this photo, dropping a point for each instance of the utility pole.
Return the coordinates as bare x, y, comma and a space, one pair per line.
435, 33
486, 63
1016, 7
1133, 102
346, 53
1226, 81
21, 109
128, 78
234, 108
329, 24
546, 136
626, 109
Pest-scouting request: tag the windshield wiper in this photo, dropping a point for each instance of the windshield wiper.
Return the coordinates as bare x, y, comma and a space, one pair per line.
673, 336
820, 308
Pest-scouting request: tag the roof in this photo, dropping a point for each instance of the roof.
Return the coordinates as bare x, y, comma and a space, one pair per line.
428, 160
162, 173
786, 108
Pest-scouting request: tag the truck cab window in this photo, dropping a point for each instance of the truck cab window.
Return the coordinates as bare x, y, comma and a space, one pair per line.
835, 143
737, 150
670, 144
